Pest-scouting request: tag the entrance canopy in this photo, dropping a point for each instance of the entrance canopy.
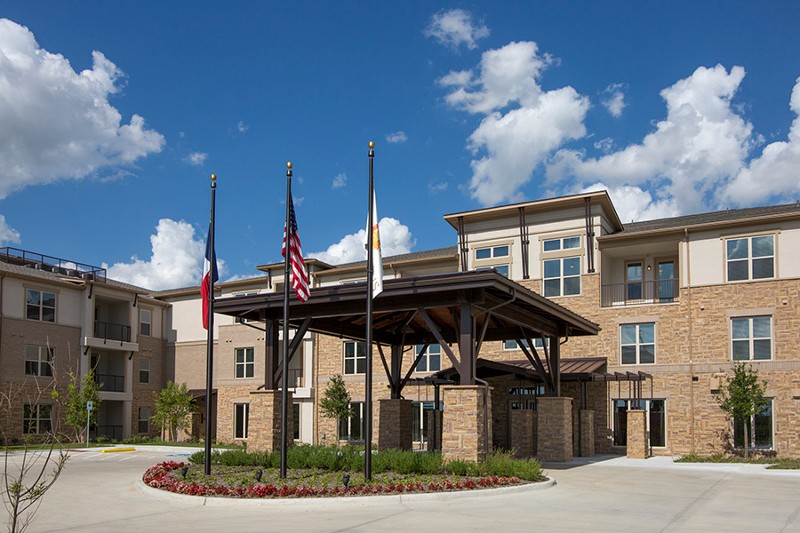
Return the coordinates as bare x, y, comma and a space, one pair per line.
462, 308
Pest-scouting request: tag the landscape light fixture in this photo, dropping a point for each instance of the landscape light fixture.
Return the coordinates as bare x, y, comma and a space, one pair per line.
184, 471
346, 480
259, 473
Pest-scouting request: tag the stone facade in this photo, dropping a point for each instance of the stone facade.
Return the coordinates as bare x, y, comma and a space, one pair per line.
466, 428
524, 428
395, 424
637, 435
264, 432
554, 433
587, 433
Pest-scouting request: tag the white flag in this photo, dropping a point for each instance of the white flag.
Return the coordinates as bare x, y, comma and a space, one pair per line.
377, 263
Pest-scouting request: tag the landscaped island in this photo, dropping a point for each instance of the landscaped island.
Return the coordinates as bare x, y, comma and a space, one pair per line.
330, 471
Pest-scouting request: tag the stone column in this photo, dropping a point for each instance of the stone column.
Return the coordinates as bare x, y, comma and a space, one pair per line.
555, 428
523, 432
637, 435
434, 430
264, 421
394, 425
466, 422
587, 432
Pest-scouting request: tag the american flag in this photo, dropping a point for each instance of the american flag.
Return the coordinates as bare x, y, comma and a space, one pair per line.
299, 276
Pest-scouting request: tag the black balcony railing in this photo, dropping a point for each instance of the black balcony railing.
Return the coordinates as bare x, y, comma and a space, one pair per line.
110, 382
111, 331
108, 431
56, 265
662, 291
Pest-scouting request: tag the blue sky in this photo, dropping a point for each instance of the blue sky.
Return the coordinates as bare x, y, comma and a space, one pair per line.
114, 114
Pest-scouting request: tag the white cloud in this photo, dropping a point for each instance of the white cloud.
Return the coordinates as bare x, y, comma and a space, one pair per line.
339, 181
455, 27
775, 171
242, 127
8, 235
634, 204
176, 260
605, 145
396, 239
514, 143
435, 187
614, 99
700, 144
197, 159
56, 123
396, 137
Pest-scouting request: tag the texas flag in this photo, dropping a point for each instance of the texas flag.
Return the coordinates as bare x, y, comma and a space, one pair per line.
209, 277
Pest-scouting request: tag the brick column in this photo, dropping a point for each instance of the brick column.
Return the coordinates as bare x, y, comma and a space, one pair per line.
394, 425
523, 432
555, 428
637, 435
264, 423
587, 432
466, 422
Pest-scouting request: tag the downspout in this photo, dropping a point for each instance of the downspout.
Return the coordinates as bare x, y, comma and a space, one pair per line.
691, 351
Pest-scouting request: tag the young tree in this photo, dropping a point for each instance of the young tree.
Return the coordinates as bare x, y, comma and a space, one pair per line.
173, 406
335, 402
79, 393
743, 397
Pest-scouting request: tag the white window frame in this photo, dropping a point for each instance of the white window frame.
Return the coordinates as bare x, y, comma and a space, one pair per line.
142, 322
432, 349
638, 343
751, 339
144, 367
357, 409
511, 344
562, 241
495, 251
750, 258
561, 277
143, 417
355, 357
34, 417
40, 305
241, 410
247, 365
41, 357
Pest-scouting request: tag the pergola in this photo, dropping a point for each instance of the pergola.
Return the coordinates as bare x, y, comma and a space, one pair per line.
464, 309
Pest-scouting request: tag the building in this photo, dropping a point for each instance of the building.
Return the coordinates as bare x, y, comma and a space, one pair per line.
60, 317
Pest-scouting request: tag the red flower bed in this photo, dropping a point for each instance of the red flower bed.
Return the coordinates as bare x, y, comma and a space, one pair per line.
160, 477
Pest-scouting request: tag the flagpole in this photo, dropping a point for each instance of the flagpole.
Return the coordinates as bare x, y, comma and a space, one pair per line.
284, 364
368, 377
210, 336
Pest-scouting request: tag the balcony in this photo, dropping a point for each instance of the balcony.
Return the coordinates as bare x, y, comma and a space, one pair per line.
110, 382
663, 291
112, 331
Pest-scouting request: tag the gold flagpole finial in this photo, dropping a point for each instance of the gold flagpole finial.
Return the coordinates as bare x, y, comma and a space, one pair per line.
371, 144
289, 168
213, 181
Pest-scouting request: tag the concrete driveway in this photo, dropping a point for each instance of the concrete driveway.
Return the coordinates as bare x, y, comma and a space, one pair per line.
103, 492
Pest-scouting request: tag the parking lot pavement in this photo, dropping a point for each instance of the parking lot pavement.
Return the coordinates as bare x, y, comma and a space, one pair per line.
103, 492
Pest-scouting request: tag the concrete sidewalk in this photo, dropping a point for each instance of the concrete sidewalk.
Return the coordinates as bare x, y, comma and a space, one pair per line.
103, 492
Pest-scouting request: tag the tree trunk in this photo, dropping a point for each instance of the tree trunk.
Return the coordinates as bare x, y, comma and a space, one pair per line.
745, 433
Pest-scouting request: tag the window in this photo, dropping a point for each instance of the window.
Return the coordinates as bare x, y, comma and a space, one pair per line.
567, 243
36, 419
751, 338
431, 360
355, 357
760, 423
562, 277
144, 370
245, 363
633, 280
145, 322
420, 421
751, 258
38, 361
501, 269
241, 415
40, 305
655, 418
637, 344
144, 420
537, 343
296, 421
492, 252
352, 427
